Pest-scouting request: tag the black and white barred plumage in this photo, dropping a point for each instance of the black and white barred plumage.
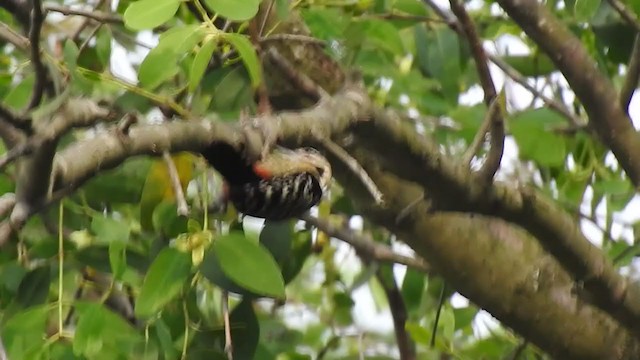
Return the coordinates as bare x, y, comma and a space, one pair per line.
284, 185
277, 198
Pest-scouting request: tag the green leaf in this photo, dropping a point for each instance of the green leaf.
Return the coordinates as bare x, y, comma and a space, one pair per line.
103, 45
464, 316
584, 10
200, 63
117, 259
249, 264
536, 141
531, 65
381, 34
18, 97
233, 9
11, 275
413, 289
166, 220
25, 331
418, 333
34, 287
159, 65
120, 185
438, 56
277, 236
148, 14
108, 229
248, 54
181, 39
326, 23
163, 281
230, 87
98, 329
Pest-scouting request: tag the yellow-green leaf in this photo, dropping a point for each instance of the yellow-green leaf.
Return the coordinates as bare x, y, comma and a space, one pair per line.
249, 264
234, 10
147, 14
163, 281
248, 54
200, 62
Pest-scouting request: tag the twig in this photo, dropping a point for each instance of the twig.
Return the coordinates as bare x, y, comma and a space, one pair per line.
265, 18
293, 37
552, 103
9, 35
627, 14
96, 15
478, 140
434, 331
398, 310
496, 128
298, 79
633, 75
183, 208
88, 38
40, 71
522, 346
408, 17
73, 113
228, 345
19, 150
366, 245
354, 166
17, 121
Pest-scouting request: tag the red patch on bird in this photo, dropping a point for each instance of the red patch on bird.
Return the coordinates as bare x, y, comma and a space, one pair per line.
261, 171
225, 191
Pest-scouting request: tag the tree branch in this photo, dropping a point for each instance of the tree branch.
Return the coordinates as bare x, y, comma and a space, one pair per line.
96, 15
451, 187
406, 347
37, 18
9, 35
592, 88
496, 127
365, 245
628, 15
535, 298
560, 108
633, 75
397, 148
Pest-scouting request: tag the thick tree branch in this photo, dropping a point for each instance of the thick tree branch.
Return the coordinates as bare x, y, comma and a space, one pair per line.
451, 187
536, 298
34, 172
593, 89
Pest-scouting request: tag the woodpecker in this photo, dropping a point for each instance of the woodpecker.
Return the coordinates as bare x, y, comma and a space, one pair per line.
282, 185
